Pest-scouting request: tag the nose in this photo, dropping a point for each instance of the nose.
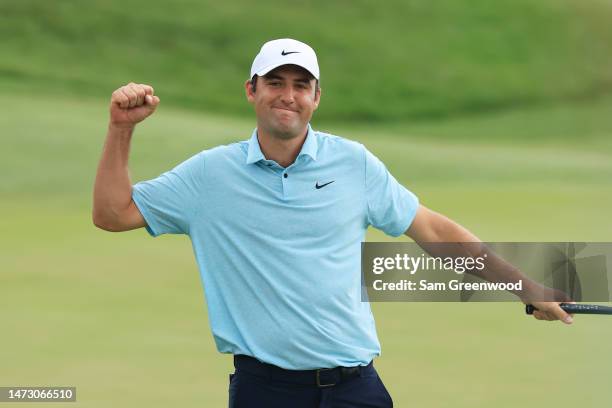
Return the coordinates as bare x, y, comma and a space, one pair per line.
287, 96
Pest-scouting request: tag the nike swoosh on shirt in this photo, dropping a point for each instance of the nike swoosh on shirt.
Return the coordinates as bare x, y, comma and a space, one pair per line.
318, 186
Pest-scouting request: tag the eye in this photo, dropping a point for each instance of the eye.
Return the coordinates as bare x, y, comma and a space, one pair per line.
274, 83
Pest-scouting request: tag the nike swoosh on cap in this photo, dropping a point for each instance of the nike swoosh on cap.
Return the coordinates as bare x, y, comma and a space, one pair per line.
289, 52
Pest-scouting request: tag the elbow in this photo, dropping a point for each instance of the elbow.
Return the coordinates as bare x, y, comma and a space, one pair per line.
103, 222
100, 223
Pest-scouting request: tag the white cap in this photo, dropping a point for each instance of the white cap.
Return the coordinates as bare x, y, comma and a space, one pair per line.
285, 51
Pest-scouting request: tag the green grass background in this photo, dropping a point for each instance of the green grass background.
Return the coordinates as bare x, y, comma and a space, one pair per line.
395, 60
495, 114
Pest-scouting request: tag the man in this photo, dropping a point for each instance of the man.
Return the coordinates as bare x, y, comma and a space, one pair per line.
276, 224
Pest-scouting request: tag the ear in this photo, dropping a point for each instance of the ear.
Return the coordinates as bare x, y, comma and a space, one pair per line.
317, 98
249, 91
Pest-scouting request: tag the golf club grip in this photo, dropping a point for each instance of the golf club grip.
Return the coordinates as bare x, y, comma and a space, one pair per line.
577, 309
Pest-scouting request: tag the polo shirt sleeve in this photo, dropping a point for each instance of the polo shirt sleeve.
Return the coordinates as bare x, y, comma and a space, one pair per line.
170, 202
390, 206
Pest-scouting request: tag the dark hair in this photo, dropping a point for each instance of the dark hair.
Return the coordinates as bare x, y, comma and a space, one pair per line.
254, 83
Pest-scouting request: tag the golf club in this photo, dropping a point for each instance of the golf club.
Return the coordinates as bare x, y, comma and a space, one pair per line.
577, 309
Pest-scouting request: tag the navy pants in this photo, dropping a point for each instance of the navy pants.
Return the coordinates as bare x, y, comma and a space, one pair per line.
258, 385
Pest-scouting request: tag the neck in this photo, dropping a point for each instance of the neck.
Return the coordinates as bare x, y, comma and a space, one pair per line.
281, 150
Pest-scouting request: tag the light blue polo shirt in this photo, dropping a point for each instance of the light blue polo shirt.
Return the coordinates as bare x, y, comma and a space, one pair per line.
279, 249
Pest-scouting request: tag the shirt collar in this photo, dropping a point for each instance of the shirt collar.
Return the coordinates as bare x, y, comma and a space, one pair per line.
309, 147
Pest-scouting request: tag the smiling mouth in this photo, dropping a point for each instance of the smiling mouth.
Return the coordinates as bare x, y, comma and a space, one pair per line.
284, 109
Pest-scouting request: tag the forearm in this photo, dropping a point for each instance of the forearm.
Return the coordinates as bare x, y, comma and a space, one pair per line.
113, 188
446, 238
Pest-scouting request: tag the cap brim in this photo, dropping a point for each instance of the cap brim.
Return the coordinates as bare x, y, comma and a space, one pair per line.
269, 68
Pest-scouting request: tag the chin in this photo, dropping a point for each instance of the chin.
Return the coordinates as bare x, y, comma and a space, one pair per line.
287, 131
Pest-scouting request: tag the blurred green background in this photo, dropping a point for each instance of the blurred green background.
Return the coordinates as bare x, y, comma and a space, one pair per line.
496, 114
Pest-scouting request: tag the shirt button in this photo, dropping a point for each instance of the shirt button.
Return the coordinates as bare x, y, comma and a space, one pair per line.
285, 175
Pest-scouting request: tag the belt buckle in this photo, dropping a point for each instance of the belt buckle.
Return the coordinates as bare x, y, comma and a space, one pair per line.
319, 378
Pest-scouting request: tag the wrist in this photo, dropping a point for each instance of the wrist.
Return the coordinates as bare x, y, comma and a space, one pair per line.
121, 129
532, 292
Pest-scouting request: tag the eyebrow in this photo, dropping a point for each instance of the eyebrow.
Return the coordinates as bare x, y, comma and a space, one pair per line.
276, 77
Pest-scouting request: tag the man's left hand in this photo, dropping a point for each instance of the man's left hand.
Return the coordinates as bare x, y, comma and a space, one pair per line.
551, 311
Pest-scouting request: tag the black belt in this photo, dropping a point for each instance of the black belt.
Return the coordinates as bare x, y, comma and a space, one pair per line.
322, 377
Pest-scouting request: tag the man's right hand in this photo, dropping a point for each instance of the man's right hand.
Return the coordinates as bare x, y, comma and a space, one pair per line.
132, 103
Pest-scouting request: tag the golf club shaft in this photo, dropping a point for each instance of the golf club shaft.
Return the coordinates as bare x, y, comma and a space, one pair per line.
577, 309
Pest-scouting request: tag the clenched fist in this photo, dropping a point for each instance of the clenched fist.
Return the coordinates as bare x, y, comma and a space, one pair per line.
131, 104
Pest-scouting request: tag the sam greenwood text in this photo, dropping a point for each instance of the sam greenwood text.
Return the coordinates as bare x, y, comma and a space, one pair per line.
455, 285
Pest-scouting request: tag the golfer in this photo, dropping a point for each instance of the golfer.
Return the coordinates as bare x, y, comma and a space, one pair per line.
276, 223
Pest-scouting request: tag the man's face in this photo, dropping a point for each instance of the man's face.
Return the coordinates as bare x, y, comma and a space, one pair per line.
284, 101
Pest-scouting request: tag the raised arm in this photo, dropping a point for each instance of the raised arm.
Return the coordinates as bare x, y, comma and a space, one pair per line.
113, 207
